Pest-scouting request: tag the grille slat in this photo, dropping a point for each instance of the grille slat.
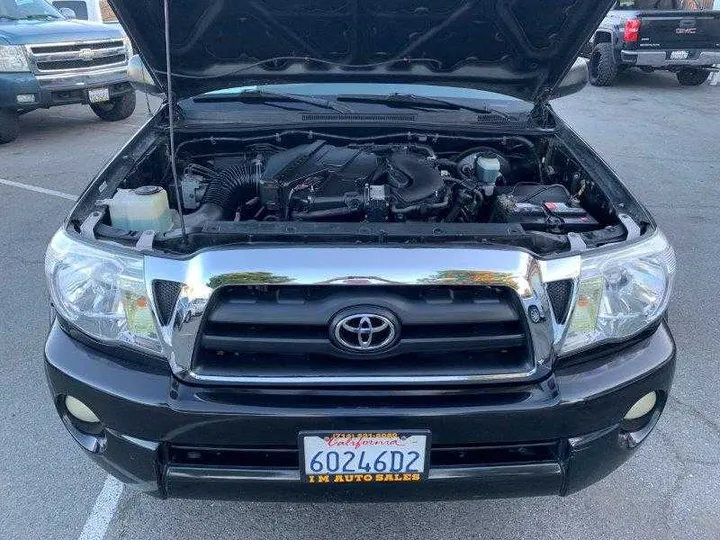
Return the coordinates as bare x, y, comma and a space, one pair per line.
324, 346
58, 65
69, 47
320, 311
284, 331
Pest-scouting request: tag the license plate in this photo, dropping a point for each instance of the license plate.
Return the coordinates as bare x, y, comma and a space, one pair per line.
98, 95
679, 55
364, 457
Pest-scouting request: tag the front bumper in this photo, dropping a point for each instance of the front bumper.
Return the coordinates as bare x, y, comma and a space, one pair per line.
662, 60
54, 90
151, 417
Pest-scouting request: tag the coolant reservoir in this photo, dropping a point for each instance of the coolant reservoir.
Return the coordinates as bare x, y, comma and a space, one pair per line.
487, 171
141, 209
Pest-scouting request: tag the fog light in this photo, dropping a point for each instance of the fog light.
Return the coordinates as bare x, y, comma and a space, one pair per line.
25, 98
642, 406
79, 410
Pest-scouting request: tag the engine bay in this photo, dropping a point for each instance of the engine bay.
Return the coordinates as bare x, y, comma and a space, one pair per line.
381, 183
300, 185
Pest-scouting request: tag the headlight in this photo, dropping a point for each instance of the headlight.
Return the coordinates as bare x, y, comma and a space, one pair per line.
620, 293
100, 292
13, 59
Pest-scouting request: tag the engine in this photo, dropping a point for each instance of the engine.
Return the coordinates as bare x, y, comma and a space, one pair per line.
320, 181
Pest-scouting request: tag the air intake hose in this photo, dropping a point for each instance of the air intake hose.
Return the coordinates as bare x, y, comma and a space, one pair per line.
225, 193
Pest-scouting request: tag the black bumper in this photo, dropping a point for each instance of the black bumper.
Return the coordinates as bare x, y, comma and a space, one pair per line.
554, 436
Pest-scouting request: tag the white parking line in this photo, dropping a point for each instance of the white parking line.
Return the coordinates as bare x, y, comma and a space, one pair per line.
106, 503
103, 511
39, 189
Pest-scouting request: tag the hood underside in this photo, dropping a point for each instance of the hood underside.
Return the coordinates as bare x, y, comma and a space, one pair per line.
521, 48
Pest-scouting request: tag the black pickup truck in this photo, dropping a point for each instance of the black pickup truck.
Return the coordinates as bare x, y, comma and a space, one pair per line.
656, 34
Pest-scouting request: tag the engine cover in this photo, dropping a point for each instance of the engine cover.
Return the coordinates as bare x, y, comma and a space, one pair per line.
327, 171
319, 180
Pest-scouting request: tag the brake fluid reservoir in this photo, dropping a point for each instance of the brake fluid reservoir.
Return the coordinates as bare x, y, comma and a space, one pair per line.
141, 209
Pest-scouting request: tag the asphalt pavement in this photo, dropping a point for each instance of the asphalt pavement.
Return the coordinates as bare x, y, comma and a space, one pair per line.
664, 141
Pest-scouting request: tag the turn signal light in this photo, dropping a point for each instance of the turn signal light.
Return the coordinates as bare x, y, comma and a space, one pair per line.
632, 30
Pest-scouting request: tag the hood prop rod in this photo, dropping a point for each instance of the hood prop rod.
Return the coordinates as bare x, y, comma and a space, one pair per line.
171, 119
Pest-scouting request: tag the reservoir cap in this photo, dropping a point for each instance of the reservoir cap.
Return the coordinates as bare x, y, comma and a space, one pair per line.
147, 190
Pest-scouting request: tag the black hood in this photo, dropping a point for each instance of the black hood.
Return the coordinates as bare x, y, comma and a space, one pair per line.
521, 48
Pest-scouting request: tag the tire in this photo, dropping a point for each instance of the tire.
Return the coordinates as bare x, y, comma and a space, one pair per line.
692, 77
9, 125
118, 108
603, 67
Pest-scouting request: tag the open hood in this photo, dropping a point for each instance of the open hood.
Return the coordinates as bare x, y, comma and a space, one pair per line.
521, 48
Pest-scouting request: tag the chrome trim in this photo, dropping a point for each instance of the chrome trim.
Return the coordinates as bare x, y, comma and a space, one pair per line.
209, 270
121, 68
660, 59
74, 55
89, 71
74, 43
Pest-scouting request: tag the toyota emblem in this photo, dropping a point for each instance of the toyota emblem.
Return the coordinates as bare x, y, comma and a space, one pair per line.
364, 332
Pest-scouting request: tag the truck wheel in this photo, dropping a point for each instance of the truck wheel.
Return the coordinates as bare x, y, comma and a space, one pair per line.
692, 77
603, 68
118, 108
9, 125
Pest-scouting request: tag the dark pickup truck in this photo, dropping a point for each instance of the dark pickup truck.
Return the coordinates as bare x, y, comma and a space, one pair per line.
656, 34
49, 59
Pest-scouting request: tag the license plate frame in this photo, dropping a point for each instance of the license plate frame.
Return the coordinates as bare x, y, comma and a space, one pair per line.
417, 439
99, 95
679, 55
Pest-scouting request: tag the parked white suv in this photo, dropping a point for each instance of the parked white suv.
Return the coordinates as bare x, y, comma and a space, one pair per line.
89, 10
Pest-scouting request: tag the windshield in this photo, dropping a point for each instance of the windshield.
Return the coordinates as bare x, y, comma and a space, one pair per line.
23, 9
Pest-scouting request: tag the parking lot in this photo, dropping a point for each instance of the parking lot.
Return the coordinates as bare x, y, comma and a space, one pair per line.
664, 141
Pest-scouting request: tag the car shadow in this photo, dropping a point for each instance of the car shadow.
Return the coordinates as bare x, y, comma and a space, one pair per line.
634, 78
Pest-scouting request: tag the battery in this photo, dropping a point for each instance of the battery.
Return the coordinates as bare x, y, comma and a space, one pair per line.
574, 218
545, 216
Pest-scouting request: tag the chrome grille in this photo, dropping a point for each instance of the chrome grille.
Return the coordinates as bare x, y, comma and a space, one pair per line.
78, 57
211, 271
284, 331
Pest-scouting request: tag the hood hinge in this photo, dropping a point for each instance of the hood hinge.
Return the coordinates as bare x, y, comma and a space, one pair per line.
540, 112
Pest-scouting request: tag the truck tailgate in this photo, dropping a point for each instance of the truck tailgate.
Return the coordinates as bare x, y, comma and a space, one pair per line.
679, 30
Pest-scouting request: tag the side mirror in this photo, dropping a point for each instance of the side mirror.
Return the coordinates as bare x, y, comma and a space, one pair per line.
574, 81
68, 13
140, 77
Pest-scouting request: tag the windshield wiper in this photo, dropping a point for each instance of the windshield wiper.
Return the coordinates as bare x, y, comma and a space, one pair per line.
412, 101
38, 16
268, 96
8, 18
